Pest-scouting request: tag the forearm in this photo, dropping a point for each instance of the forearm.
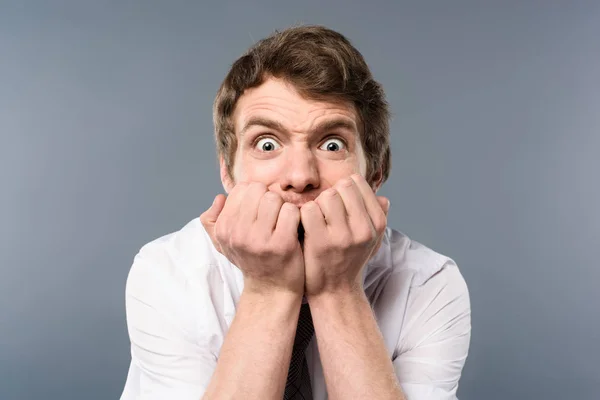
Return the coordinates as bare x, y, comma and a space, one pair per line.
353, 354
255, 356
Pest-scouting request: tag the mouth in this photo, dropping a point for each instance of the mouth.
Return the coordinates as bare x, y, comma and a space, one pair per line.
301, 234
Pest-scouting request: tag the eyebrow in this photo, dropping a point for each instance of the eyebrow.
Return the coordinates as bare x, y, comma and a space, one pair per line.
264, 122
332, 124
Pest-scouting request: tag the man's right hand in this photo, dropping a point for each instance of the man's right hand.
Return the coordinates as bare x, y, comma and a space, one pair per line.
258, 232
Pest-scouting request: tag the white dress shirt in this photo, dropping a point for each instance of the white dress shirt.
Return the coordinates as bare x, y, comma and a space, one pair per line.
181, 298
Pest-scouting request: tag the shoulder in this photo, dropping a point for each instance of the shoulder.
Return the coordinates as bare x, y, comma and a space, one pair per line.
191, 239
179, 280
178, 251
434, 293
436, 284
170, 263
414, 272
424, 263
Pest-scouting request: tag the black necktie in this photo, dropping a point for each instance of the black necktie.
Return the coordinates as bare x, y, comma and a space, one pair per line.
298, 381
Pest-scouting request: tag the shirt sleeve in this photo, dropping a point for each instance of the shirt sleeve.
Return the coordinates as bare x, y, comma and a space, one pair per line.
435, 338
167, 358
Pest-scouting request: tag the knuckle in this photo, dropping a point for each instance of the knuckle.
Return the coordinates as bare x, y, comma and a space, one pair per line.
245, 211
365, 236
330, 193
270, 249
343, 240
203, 218
358, 178
282, 243
380, 223
322, 199
344, 183
260, 247
280, 249
310, 206
272, 197
290, 208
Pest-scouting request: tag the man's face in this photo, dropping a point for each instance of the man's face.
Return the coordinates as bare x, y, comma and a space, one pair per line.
295, 146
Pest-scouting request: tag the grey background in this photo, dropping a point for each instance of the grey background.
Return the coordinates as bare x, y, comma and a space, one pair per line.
105, 117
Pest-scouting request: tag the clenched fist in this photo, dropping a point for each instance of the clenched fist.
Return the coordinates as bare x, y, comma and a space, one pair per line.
258, 232
343, 228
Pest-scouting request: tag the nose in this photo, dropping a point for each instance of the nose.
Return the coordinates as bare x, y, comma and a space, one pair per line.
301, 173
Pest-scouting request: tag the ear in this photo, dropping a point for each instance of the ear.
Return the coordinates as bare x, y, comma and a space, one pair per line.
226, 180
377, 180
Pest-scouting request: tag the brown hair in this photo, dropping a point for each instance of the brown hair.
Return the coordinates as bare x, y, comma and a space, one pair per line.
321, 64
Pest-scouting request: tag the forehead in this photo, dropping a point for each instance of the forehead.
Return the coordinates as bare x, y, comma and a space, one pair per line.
279, 100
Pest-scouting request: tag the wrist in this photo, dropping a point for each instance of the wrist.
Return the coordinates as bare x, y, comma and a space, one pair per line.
337, 297
274, 311
269, 296
266, 287
337, 289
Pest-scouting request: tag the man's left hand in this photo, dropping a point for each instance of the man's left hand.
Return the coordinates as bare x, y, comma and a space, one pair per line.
343, 227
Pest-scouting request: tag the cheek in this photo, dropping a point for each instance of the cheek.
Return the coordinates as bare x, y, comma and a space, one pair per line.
330, 172
253, 170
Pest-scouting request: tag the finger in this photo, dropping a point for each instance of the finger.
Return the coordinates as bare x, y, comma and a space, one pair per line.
232, 205
269, 209
384, 202
249, 204
288, 219
353, 200
210, 216
224, 227
375, 205
332, 207
313, 220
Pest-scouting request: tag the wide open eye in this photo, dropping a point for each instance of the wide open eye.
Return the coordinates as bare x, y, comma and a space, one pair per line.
267, 145
333, 145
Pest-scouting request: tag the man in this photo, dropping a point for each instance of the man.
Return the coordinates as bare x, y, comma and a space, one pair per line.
292, 286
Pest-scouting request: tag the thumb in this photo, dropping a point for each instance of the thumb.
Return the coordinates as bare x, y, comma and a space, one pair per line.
384, 202
210, 216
